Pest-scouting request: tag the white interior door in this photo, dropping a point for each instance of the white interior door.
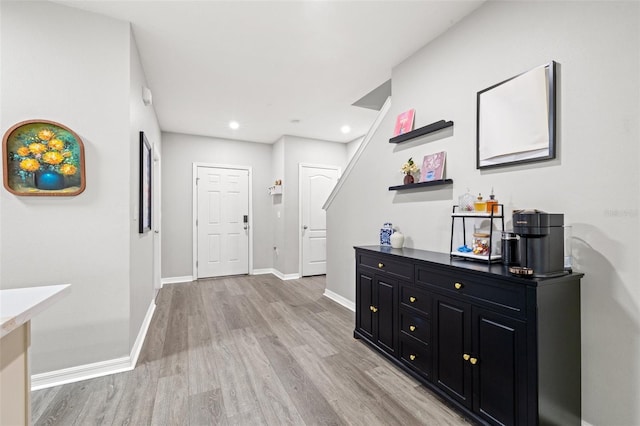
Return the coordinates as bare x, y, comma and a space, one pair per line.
316, 183
157, 221
222, 222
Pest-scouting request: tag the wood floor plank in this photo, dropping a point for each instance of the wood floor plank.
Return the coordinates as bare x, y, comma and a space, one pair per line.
207, 408
275, 404
171, 405
309, 401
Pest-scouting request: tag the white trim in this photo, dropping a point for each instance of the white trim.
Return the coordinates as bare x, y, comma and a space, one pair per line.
263, 271
176, 280
137, 345
194, 209
309, 166
340, 300
285, 277
80, 372
96, 369
374, 128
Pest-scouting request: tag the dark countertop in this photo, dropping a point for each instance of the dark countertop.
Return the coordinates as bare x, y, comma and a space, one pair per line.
473, 266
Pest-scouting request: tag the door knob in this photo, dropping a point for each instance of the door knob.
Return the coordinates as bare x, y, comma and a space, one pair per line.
412, 327
305, 227
412, 357
473, 361
466, 357
458, 286
412, 299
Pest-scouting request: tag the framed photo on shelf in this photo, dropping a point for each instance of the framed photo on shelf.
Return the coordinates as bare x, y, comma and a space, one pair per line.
145, 185
433, 167
404, 122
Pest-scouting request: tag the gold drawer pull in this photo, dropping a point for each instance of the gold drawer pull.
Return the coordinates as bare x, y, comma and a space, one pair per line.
374, 309
412, 327
473, 361
412, 357
381, 265
458, 286
466, 357
412, 299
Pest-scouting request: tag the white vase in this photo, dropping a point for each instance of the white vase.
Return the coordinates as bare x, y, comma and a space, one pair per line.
397, 239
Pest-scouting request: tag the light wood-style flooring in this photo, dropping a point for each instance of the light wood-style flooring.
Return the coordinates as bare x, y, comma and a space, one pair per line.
249, 350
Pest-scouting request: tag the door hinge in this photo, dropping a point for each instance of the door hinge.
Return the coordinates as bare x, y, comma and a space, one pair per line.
196, 263
197, 180
196, 222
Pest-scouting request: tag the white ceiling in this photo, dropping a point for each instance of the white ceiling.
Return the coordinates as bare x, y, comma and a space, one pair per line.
266, 63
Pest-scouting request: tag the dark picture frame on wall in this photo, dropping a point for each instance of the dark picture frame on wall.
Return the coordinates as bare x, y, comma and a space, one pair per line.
145, 185
516, 119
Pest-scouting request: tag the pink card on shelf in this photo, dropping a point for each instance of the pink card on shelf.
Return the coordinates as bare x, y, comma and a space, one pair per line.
404, 122
433, 167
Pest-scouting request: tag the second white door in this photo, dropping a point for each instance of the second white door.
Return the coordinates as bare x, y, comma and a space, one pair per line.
222, 222
316, 183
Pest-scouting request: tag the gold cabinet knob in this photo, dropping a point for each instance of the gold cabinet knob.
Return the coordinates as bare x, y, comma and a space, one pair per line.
412, 299
458, 286
473, 361
466, 357
412, 357
374, 309
371, 308
412, 327
380, 265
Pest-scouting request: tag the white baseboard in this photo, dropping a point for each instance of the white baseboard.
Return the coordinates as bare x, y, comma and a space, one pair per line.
340, 300
176, 280
277, 273
80, 372
137, 345
96, 369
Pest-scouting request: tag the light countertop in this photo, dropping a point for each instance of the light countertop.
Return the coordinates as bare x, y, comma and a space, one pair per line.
19, 305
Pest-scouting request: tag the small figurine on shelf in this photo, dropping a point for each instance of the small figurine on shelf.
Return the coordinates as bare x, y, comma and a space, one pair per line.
408, 169
385, 234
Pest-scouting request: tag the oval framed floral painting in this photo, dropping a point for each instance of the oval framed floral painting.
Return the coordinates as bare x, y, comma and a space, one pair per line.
43, 158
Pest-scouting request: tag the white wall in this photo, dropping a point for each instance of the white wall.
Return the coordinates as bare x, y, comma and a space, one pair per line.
143, 118
594, 181
277, 202
179, 153
72, 67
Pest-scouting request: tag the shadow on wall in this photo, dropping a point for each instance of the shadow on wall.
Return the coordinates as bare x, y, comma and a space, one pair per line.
610, 333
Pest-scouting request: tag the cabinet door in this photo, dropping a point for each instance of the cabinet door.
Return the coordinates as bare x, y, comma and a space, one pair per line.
499, 375
385, 328
364, 302
452, 344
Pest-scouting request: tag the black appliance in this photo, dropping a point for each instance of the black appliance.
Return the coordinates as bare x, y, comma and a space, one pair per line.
541, 241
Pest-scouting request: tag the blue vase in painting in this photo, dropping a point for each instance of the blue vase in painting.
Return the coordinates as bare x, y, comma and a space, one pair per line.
49, 180
385, 234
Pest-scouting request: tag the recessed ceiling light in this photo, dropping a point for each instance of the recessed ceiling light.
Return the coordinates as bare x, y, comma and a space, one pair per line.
234, 125
345, 129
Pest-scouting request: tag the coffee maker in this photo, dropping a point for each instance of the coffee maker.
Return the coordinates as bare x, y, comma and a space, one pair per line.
540, 241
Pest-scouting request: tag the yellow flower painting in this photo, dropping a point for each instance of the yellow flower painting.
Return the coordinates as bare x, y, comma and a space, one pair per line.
43, 158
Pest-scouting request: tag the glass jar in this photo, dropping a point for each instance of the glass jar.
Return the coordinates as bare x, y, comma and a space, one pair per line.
480, 244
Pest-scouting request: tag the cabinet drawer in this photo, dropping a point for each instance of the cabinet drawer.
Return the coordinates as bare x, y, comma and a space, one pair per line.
383, 264
416, 299
511, 297
416, 355
416, 326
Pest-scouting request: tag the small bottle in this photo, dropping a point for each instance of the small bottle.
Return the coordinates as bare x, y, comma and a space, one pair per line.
479, 205
492, 203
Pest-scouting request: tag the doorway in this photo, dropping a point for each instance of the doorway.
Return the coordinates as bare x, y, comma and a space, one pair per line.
316, 183
222, 220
